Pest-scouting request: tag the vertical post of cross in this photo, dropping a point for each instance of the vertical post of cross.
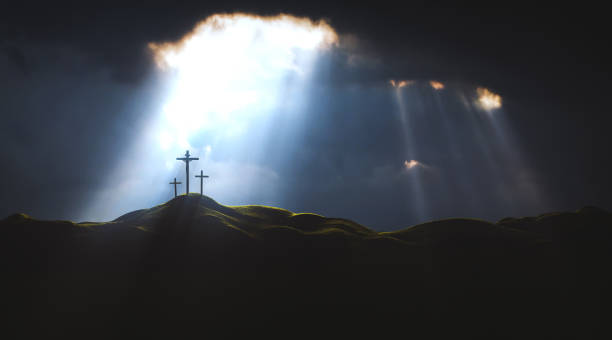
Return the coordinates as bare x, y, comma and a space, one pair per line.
175, 183
202, 176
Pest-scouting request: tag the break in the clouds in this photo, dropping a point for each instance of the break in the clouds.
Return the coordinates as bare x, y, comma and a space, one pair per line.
401, 83
488, 100
229, 69
228, 82
413, 164
436, 85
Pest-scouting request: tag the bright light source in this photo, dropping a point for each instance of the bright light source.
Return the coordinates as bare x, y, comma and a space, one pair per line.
413, 164
400, 83
230, 68
436, 85
488, 100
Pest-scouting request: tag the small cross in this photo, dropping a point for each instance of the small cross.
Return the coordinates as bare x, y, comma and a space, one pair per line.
175, 183
202, 176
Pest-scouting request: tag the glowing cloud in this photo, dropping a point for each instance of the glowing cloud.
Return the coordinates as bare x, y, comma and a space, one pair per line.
400, 83
411, 164
282, 31
436, 85
231, 67
487, 99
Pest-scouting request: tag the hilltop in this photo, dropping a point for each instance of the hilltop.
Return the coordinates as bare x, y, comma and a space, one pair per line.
194, 265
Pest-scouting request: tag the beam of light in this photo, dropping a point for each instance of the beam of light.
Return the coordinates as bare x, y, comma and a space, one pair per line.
228, 70
524, 181
450, 121
226, 84
518, 184
436, 85
462, 135
489, 145
418, 197
488, 100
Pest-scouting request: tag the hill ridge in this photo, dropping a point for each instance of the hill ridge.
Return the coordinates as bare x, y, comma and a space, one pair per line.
192, 264
254, 220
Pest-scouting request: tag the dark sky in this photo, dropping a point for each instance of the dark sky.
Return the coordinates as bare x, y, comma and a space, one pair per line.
77, 82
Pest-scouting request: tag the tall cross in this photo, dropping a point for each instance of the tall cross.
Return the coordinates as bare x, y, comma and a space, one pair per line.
187, 159
175, 183
202, 176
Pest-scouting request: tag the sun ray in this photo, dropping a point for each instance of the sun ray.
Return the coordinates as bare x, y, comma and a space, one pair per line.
226, 82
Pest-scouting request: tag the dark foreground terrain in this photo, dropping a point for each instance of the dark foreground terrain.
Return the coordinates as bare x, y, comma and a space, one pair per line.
192, 268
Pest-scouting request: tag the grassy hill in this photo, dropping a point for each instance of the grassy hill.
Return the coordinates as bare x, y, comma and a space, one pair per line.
193, 266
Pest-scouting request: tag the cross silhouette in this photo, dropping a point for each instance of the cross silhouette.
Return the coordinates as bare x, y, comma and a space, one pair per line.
187, 159
175, 183
202, 176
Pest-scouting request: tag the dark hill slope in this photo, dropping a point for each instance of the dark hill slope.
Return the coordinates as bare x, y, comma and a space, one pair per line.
192, 265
